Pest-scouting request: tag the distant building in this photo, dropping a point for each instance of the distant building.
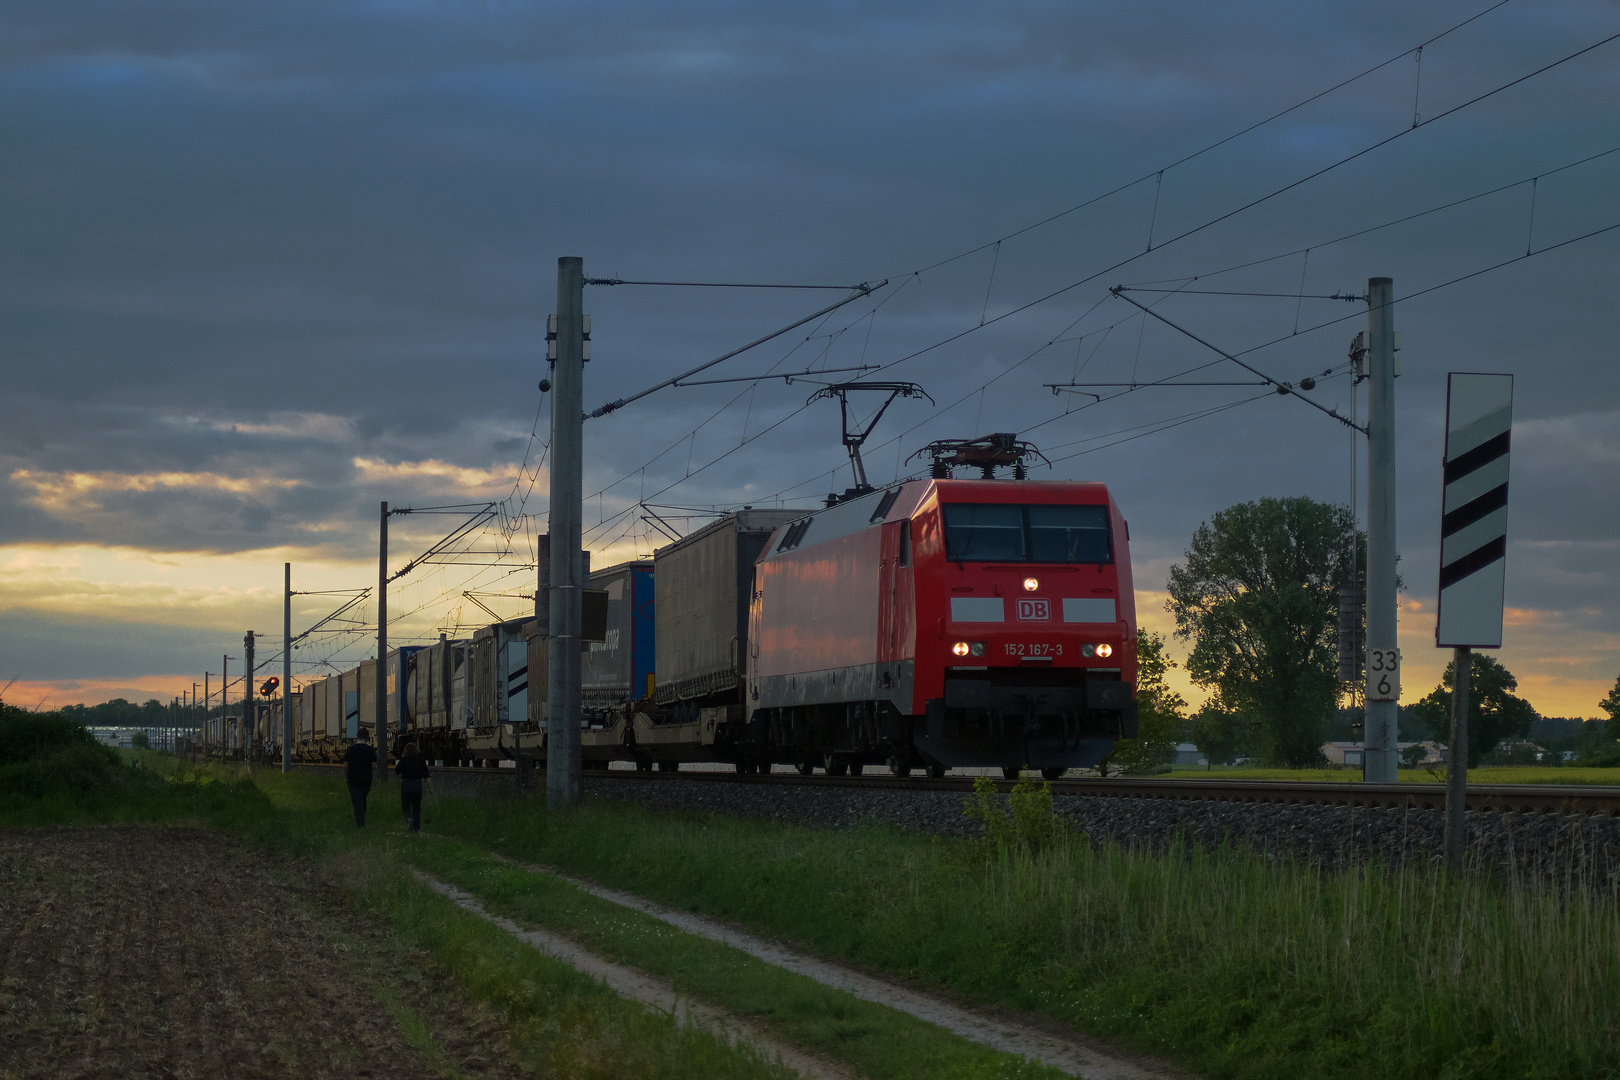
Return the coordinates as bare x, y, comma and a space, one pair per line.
1188, 754
1345, 753
1433, 753
1354, 754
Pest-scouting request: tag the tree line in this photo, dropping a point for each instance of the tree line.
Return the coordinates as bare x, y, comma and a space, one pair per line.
1258, 599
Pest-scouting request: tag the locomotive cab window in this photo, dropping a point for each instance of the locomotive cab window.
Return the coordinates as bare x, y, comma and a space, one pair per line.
1077, 534
1050, 533
984, 532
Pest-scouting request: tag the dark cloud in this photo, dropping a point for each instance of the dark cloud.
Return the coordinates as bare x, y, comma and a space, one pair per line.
40, 648
262, 241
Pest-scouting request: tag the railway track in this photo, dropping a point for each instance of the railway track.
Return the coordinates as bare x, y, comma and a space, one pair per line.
1501, 798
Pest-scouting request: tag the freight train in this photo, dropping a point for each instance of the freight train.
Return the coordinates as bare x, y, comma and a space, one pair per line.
932, 624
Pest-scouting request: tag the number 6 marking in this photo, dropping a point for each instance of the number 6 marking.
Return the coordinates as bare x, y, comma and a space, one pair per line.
1386, 664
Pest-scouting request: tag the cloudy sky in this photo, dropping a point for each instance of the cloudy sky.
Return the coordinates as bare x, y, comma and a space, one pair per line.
263, 265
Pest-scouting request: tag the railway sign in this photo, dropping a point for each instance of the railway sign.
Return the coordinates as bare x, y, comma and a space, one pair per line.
1473, 523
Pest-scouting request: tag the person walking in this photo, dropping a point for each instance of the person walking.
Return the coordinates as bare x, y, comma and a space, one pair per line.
360, 760
413, 770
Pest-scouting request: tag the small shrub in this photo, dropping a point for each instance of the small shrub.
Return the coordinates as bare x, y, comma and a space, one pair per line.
1026, 823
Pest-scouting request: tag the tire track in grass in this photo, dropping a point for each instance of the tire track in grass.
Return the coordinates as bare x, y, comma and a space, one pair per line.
1068, 1054
648, 989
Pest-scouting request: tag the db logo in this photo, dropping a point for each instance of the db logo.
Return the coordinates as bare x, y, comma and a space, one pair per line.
1035, 610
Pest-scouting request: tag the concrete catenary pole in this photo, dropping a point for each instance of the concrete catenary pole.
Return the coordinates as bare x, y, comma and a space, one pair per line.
1457, 757
286, 670
382, 646
206, 695
1383, 671
247, 693
567, 488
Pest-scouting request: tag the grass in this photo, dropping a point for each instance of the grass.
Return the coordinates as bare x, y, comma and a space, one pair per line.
1235, 965
1232, 964
1484, 774
880, 1042
561, 1023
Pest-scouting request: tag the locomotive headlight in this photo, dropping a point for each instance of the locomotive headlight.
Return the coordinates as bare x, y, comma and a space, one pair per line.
977, 648
1105, 650
1088, 649
961, 648
1031, 584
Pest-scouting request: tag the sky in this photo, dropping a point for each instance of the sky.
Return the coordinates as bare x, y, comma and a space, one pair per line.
263, 266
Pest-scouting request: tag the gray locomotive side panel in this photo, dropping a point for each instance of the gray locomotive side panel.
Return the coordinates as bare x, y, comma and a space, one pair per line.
702, 584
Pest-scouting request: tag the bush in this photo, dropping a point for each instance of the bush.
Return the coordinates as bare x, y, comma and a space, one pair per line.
43, 754
1027, 823
53, 771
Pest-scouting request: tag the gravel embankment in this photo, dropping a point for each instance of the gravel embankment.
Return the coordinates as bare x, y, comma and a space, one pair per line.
1552, 847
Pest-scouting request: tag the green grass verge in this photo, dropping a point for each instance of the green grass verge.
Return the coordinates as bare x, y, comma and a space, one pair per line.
1484, 774
560, 1022
1235, 965
880, 1042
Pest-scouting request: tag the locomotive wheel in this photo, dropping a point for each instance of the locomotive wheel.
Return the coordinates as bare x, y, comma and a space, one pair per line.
1053, 773
936, 771
855, 768
899, 768
805, 768
669, 766
835, 766
1011, 772
643, 765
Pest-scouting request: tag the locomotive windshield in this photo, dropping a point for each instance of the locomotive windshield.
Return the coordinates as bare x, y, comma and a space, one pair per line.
1004, 532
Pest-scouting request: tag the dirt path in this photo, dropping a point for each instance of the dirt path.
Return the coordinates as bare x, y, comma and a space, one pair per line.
1072, 1054
651, 990
143, 951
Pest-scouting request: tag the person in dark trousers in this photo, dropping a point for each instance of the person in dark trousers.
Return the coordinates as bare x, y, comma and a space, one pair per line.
360, 761
412, 770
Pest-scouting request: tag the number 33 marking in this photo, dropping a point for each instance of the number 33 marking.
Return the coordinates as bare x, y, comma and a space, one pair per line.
1383, 674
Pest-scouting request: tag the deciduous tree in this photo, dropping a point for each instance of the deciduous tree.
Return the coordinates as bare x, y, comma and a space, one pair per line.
1161, 720
1216, 733
1258, 597
1494, 713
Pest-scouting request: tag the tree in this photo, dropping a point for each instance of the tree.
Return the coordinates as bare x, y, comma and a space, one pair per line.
1494, 713
1599, 741
1258, 597
1160, 712
1216, 733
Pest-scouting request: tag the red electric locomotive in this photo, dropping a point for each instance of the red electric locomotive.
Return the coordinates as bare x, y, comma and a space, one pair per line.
944, 623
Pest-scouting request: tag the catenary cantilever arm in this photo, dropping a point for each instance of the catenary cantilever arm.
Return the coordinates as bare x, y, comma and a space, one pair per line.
1282, 387
861, 290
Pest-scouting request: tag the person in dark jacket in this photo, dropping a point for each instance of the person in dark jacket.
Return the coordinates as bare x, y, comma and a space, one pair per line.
360, 760
412, 770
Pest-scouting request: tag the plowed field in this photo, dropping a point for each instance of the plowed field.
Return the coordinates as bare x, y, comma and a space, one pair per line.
137, 951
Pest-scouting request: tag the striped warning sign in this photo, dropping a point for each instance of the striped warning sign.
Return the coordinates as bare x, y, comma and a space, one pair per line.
1473, 522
